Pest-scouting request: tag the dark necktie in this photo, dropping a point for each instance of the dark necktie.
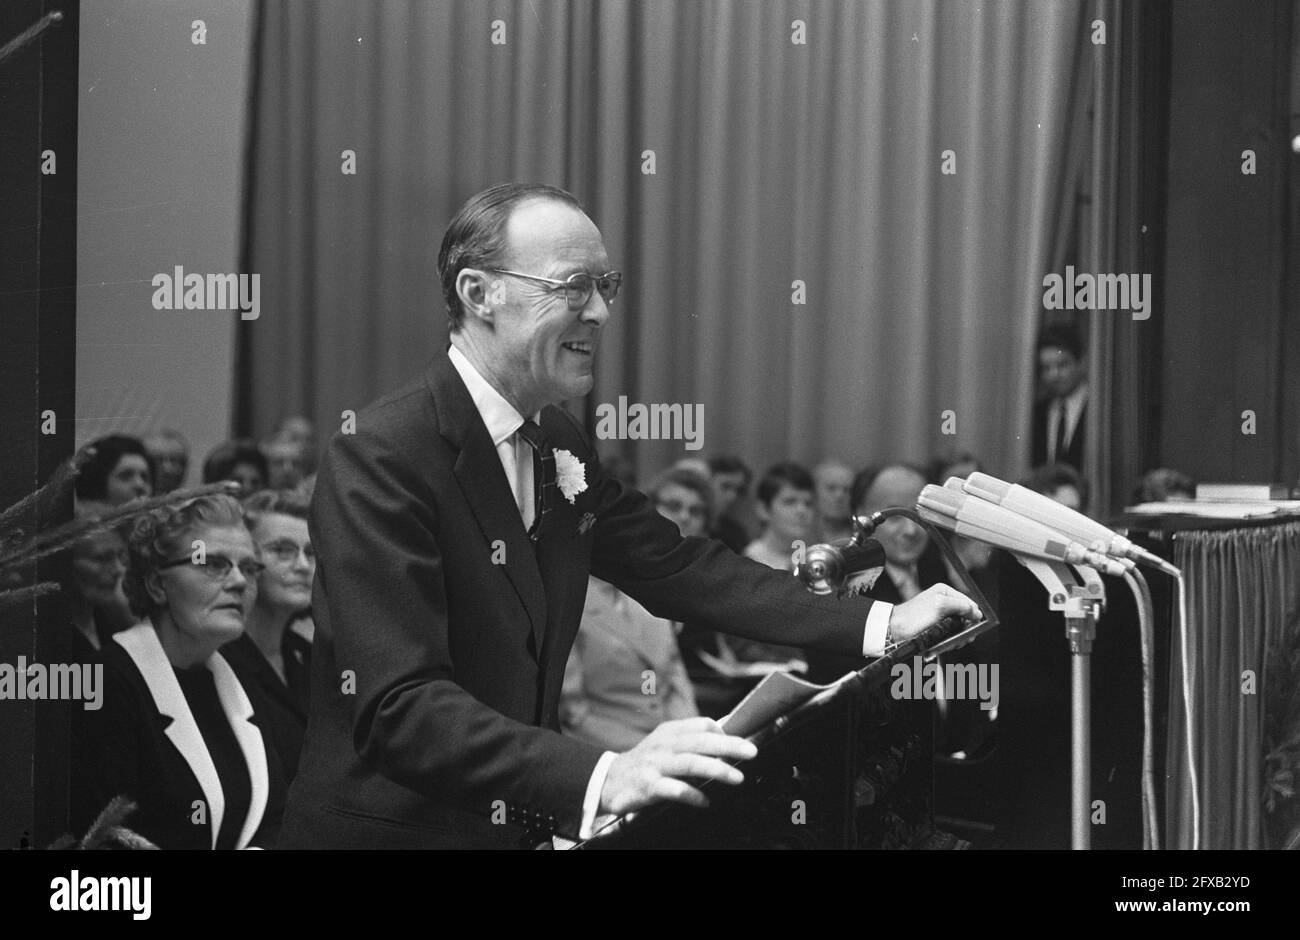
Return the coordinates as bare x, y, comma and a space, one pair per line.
1061, 442
543, 475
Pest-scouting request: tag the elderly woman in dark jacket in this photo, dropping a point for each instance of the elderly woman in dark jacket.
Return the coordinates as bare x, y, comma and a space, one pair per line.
177, 732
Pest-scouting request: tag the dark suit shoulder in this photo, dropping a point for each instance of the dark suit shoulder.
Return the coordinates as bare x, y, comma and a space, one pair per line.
392, 418
388, 450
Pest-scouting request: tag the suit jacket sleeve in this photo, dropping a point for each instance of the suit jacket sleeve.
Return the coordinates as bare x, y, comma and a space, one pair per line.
375, 528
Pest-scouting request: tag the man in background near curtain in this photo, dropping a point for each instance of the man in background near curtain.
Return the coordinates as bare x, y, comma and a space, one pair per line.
1060, 418
456, 527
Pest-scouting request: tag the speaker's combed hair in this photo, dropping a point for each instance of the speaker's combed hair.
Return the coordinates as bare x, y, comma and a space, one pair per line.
476, 235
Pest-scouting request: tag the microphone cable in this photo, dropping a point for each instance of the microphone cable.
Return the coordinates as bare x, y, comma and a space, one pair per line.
1142, 594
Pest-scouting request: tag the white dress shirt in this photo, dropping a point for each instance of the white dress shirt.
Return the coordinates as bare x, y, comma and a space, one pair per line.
503, 424
516, 454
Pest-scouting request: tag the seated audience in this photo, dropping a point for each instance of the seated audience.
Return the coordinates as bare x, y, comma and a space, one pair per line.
1062, 483
90, 576
730, 479
964, 730
118, 472
240, 461
785, 507
170, 454
177, 733
912, 564
834, 480
1164, 485
301, 430
974, 555
686, 498
959, 464
696, 465
284, 461
625, 674
269, 654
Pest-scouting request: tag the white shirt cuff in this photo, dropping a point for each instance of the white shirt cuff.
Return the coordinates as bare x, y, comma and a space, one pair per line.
873, 638
591, 802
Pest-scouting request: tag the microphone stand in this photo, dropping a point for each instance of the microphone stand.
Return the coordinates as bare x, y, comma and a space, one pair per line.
1081, 604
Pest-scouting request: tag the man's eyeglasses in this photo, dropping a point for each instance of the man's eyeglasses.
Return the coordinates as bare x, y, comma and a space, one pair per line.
218, 567
286, 551
577, 287
676, 506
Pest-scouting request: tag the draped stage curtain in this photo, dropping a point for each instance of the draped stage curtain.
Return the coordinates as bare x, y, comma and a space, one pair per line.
1123, 230
1242, 609
774, 162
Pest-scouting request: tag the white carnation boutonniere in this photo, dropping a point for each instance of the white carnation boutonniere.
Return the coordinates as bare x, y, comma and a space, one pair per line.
570, 475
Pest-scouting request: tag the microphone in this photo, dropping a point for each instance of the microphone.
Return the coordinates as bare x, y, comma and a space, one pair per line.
1049, 512
827, 565
988, 522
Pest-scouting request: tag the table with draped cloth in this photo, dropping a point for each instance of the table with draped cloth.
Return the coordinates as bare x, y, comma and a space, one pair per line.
1242, 681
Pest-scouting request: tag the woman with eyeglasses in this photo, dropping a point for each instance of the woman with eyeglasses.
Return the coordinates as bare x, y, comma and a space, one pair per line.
274, 652
176, 731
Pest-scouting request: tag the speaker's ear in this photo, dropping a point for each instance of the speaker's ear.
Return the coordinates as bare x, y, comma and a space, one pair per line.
479, 293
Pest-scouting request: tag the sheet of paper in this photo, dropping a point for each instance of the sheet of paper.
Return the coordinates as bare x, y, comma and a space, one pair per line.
775, 696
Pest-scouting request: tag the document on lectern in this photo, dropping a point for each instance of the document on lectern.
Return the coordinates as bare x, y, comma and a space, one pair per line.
778, 694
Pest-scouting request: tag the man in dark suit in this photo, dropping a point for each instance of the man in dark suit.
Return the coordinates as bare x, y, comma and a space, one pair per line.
1060, 419
455, 531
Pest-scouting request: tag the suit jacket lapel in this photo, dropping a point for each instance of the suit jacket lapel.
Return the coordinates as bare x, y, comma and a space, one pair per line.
564, 577
142, 645
239, 712
483, 481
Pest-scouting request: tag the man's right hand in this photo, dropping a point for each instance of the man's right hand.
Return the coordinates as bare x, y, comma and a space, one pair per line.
928, 608
652, 771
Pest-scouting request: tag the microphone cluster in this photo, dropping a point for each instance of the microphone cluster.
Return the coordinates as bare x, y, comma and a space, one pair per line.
1017, 519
